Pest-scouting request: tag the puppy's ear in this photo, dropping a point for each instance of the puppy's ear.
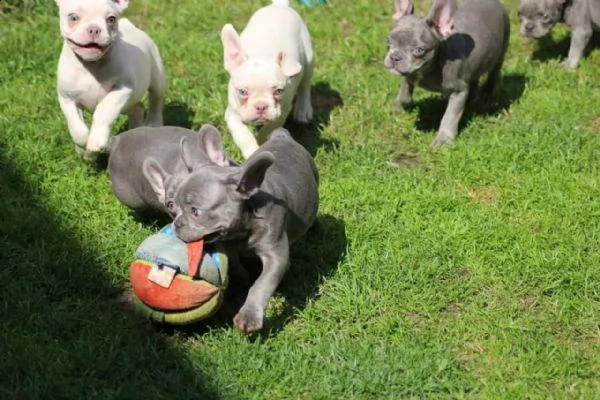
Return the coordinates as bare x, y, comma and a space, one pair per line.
403, 7
290, 68
233, 54
248, 181
186, 154
156, 176
213, 145
122, 4
441, 17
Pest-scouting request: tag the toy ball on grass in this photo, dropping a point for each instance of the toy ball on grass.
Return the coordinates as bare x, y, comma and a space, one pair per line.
175, 282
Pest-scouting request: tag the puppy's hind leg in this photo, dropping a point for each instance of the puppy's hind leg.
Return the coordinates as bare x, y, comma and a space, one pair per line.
303, 111
136, 116
158, 84
490, 83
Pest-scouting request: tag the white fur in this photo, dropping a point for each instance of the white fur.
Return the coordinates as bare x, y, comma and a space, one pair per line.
274, 51
109, 80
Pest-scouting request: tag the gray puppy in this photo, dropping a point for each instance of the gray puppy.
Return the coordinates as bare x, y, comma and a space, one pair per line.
147, 164
260, 207
447, 52
538, 17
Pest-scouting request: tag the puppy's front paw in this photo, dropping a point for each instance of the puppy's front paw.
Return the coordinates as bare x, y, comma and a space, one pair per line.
248, 320
303, 113
248, 150
442, 140
95, 144
403, 104
569, 65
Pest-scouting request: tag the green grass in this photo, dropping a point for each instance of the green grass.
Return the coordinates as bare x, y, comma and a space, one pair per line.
468, 273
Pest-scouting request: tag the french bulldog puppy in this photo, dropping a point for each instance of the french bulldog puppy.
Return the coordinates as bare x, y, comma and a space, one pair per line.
538, 17
106, 67
146, 165
269, 64
257, 208
447, 52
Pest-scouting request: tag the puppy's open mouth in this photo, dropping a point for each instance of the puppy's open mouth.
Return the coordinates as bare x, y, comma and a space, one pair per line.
88, 48
212, 237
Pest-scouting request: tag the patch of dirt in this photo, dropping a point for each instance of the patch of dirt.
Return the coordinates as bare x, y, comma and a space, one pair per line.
417, 320
529, 302
452, 308
404, 160
346, 27
596, 124
484, 195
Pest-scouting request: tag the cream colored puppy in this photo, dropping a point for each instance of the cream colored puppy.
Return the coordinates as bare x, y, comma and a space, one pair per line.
269, 64
106, 67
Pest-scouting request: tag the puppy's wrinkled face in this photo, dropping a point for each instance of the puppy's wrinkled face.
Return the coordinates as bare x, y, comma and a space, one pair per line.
412, 45
259, 88
206, 207
538, 17
90, 27
172, 184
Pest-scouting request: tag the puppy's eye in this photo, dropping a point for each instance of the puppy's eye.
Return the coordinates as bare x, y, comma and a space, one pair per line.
196, 212
278, 92
418, 51
170, 205
111, 20
73, 17
545, 16
242, 92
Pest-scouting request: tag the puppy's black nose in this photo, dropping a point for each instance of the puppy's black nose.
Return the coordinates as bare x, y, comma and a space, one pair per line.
94, 31
395, 57
529, 26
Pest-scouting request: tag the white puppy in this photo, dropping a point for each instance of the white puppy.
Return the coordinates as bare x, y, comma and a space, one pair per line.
106, 67
269, 63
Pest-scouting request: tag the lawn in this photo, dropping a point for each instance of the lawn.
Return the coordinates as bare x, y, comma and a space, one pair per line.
472, 272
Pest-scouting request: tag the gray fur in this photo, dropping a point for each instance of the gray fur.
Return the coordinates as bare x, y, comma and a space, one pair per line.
538, 17
146, 165
259, 207
448, 51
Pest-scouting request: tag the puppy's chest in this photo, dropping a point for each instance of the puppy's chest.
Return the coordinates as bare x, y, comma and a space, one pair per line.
86, 89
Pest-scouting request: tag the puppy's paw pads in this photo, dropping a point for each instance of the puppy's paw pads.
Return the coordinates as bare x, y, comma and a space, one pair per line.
248, 321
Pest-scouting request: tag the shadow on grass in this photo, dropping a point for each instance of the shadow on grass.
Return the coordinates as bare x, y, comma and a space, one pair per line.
324, 100
550, 49
63, 335
175, 113
509, 90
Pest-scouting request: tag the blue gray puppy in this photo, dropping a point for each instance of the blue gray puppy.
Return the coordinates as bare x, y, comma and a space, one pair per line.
448, 51
538, 17
147, 164
257, 208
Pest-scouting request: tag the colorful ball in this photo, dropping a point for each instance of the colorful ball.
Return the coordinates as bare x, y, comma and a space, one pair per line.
175, 282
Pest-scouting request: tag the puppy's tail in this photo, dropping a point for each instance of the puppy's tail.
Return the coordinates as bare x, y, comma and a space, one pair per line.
283, 3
